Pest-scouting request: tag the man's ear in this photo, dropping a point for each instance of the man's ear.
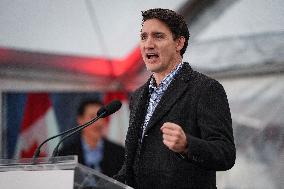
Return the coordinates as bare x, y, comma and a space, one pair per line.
180, 43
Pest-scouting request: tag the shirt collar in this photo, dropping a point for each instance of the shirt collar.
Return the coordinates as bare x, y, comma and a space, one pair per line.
87, 147
165, 81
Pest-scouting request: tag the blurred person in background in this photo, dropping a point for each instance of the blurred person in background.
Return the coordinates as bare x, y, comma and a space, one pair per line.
180, 129
92, 148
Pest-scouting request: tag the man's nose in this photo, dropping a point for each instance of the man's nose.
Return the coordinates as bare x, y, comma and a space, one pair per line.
149, 43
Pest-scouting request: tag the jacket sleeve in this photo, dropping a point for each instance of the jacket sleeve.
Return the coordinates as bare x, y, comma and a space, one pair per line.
120, 176
215, 149
125, 174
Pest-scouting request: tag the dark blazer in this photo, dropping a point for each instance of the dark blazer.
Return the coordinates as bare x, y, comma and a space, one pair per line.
113, 154
199, 105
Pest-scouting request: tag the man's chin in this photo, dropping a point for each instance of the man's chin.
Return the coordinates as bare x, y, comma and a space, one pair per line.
152, 67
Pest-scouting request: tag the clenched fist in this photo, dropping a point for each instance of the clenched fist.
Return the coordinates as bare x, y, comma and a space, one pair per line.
174, 137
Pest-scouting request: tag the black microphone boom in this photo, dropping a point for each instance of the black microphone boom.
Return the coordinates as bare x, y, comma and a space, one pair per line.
102, 113
110, 108
37, 151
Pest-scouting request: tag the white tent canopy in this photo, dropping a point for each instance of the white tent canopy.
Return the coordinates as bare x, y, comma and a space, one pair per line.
75, 27
249, 33
56, 44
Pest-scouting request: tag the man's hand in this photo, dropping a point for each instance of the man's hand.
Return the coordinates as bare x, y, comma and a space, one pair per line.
174, 137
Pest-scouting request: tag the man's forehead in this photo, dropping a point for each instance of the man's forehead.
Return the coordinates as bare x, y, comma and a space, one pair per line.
152, 32
156, 26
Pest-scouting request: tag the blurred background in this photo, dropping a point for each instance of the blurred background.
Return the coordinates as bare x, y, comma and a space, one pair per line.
55, 53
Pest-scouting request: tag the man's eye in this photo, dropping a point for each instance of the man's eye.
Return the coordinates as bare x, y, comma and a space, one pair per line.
159, 36
143, 37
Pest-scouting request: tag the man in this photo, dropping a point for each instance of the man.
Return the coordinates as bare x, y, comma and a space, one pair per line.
180, 130
92, 148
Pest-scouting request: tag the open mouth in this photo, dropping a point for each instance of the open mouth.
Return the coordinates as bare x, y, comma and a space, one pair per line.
152, 55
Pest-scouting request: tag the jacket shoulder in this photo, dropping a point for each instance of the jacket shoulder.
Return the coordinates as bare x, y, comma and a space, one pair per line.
202, 80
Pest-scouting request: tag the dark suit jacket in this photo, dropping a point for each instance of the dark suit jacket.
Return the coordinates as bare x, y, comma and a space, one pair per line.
199, 105
113, 154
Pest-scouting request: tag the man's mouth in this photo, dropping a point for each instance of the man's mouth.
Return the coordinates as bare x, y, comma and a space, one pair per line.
152, 55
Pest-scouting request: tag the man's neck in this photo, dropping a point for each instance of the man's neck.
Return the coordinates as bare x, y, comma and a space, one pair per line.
91, 142
160, 76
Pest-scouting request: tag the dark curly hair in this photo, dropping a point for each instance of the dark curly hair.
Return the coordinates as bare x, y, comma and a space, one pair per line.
174, 21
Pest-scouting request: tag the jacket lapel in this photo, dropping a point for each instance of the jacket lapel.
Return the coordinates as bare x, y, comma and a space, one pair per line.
140, 105
171, 95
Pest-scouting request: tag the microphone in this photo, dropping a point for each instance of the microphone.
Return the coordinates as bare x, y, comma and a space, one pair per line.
37, 151
110, 108
103, 112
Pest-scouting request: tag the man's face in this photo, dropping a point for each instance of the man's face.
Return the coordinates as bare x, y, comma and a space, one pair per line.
94, 131
159, 50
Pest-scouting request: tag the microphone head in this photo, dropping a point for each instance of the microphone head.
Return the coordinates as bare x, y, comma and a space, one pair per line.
101, 111
109, 109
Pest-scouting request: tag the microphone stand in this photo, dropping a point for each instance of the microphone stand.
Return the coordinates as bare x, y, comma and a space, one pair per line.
55, 151
103, 112
73, 130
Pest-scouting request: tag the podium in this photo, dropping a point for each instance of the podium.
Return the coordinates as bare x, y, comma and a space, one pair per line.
57, 173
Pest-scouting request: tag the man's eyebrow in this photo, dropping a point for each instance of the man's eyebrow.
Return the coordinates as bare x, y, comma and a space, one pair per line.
162, 33
152, 33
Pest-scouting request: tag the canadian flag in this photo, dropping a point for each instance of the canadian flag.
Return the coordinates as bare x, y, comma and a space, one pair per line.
118, 122
38, 124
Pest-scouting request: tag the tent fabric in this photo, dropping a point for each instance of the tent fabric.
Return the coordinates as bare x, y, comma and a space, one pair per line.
253, 41
237, 53
257, 107
257, 101
110, 29
249, 33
